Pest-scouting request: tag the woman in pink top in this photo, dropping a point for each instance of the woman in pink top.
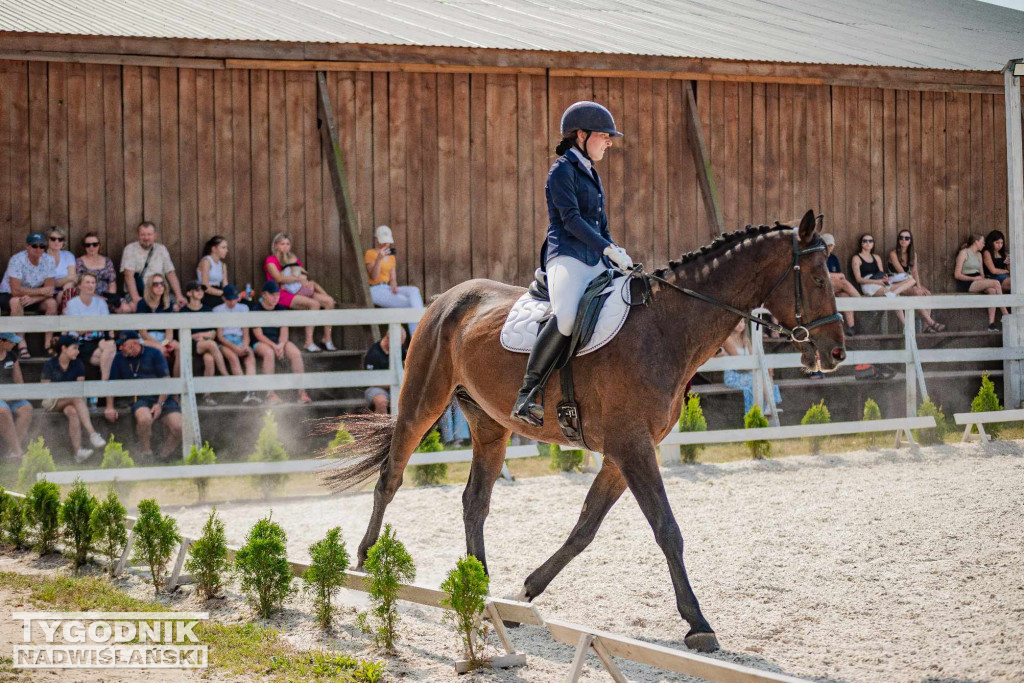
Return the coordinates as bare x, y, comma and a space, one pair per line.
297, 290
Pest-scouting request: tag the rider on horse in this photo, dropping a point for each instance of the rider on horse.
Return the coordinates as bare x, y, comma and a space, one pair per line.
578, 246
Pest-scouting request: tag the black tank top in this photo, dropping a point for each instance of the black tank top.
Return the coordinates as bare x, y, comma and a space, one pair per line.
868, 268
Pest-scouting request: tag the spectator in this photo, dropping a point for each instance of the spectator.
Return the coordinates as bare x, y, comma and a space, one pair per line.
272, 343
102, 268
234, 341
738, 344
840, 285
204, 341
378, 358
94, 347
902, 266
212, 272
995, 260
867, 271
156, 300
454, 426
297, 291
28, 285
64, 276
381, 267
145, 258
135, 361
65, 366
15, 415
969, 276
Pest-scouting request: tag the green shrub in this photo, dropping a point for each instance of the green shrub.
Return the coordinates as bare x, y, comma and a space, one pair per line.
430, 474
75, 514
568, 460
269, 449
115, 456
208, 557
15, 529
109, 531
871, 412
466, 586
752, 420
156, 537
262, 567
326, 574
341, 437
42, 514
817, 414
938, 434
203, 455
986, 401
37, 459
692, 420
389, 565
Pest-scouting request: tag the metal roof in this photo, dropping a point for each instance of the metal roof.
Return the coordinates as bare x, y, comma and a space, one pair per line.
943, 34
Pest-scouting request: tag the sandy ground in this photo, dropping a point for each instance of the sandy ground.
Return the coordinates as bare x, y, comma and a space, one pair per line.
869, 566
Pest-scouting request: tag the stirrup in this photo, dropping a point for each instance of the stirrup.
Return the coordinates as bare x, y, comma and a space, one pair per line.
528, 410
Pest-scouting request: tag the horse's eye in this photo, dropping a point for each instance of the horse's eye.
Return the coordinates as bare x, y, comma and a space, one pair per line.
819, 281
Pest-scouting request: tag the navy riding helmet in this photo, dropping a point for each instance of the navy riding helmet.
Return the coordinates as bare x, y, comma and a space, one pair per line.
588, 116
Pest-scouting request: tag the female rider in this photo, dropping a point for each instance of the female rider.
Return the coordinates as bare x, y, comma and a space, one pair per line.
577, 238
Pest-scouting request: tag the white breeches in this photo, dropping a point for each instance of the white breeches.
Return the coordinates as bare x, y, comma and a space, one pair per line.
567, 280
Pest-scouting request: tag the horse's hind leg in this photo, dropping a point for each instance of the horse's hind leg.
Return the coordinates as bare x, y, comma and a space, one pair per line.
606, 489
489, 439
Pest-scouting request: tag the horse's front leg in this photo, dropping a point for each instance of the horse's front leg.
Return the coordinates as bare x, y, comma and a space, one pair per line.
637, 459
489, 439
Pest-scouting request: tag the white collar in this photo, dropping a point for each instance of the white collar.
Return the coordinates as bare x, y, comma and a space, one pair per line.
587, 163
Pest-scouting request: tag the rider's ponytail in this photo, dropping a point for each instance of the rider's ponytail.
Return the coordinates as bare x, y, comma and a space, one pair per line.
566, 144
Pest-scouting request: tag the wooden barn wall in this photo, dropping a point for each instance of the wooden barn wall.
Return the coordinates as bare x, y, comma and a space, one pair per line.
456, 163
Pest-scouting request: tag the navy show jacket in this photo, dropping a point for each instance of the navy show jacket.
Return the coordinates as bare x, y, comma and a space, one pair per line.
578, 224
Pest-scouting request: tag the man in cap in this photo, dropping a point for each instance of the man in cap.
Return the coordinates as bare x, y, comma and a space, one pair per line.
28, 284
234, 341
380, 266
15, 414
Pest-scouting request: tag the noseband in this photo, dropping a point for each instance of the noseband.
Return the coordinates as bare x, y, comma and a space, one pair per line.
801, 333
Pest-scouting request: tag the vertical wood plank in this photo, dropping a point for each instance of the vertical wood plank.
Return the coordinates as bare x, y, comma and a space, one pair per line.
223, 162
478, 174
813, 138
132, 118
381, 151
884, 239
57, 130
170, 221
659, 200
113, 166
845, 240
259, 141
462, 225
39, 176
277, 143
188, 177
633, 227
787, 176
926, 187
78, 159
615, 199
939, 180
542, 144
743, 155
902, 136
151, 147
999, 218
446, 180
295, 189
977, 161
771, 156
313, 243
890, 220
992, 174
206, 155
240, 254
824, 109
963, 177
758, 154
413, 259
398, 94
19, 145
526, 192
728, 166
801, 201
95, 155
8, 74
362, 164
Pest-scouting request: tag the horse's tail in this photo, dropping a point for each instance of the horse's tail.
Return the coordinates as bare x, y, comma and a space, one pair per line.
362, 456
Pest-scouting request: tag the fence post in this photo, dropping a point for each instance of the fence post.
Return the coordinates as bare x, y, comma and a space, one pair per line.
190, 433
395, 363
910, 367
763, 378
1013, 325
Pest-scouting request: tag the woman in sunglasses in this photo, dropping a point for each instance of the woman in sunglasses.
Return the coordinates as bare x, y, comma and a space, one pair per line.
64, 276
903, 265
156, 299
101, 267
866, 267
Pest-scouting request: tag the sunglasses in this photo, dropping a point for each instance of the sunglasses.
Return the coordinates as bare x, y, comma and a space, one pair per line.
37, 246
56, 239
904, 238
91, 244
158, 284
867, 241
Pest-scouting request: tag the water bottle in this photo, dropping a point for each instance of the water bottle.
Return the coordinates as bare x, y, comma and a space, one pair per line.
248, 291
93, 404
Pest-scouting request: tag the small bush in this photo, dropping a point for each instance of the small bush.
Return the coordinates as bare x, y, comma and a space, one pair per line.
430, 474
817, 414
262, 567
208, 557
115, 456
156, 537
42, 513
15, 531
326, 574
467, 586
269, 449
871, 412
569, 460
754, 418
692, 420
75, 514
341, 437
203, 455
389, 565
936, 435
37, 459
986, 401
109, 531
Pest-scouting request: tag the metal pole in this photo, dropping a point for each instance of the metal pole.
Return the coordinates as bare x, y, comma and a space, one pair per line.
395, 363
1013, 325
910, 368
190, 432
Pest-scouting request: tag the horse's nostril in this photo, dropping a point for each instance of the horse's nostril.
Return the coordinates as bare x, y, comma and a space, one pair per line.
839, 354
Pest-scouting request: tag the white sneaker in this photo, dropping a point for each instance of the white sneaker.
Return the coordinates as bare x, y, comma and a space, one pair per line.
96, 440
892, 294
83, 454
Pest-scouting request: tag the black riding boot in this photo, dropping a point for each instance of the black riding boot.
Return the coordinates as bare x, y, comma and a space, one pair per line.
548, 347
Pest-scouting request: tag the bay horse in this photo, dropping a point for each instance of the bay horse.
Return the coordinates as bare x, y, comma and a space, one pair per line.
630, 392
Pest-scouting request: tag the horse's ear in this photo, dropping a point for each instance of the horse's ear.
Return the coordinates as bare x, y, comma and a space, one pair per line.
819, 222
808, 224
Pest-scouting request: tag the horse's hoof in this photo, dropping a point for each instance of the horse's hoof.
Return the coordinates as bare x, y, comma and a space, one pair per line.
702, 642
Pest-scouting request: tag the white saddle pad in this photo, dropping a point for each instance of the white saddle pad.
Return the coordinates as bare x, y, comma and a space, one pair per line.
520, 329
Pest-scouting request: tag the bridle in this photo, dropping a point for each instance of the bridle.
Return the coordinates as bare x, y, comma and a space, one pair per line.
799, 334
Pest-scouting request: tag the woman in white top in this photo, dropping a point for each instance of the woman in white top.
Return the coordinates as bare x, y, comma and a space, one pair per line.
213, 270
738, 344
64, 275
95, 348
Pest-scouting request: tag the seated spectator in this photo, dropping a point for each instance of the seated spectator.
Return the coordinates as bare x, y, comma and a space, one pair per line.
454, 426
380, 266
212, 272
271, 343
156, 300
738, 344
65, 366
135, 361
378, 358
969, 275
204, 341
15, 415
64, 276
840, 285
94, 347
866, 267
28, 285
102, 268
145, 258
996, 260
903, 266
234, 341
297, 291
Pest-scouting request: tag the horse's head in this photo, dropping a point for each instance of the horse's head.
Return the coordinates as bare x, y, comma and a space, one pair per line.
804, 301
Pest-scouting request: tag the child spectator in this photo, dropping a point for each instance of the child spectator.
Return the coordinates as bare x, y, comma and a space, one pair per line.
378, 358
28, 285
297, 290
272, 343
15, 415
94, 346
840, 285
156, 300
65, 366
204, 341
970, 277
212, 272
381, 267
234, 341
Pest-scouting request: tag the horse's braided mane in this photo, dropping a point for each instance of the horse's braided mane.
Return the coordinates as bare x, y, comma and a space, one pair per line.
721, 245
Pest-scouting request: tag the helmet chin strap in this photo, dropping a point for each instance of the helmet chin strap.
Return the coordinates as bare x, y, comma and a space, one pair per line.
584, 148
